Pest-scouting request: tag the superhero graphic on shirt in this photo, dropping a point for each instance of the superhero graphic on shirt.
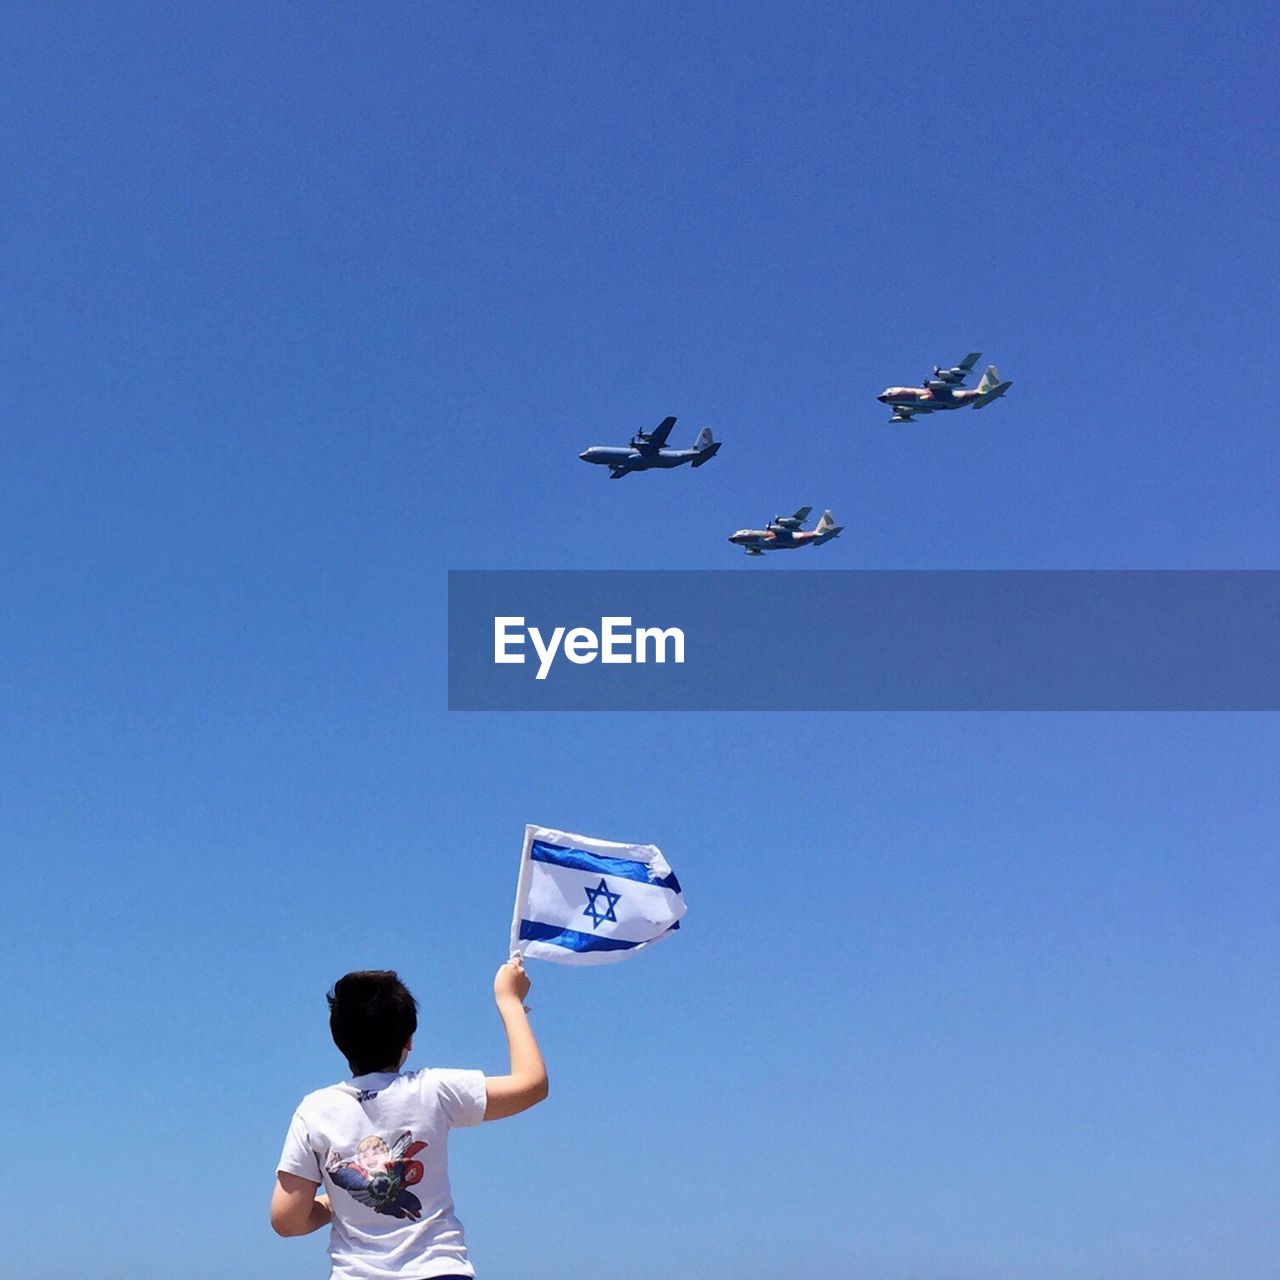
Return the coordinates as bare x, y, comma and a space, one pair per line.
378, 1175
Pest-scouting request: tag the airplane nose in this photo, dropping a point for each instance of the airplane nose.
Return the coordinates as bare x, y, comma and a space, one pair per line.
883, 397
583, 455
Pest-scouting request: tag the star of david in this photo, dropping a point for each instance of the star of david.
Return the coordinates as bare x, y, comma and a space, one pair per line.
593, 908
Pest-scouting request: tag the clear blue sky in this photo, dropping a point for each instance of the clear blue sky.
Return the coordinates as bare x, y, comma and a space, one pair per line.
307, 304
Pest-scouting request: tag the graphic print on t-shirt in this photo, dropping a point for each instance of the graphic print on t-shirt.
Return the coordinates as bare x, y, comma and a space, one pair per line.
377, 1175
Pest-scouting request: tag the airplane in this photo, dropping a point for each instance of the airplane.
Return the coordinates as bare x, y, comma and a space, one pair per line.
945, 390
648, 450
784, 533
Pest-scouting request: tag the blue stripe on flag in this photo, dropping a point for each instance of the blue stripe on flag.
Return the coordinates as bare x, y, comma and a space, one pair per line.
570, 939
560, 855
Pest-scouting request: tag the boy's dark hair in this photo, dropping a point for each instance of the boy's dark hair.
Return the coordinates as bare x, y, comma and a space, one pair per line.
372, 1017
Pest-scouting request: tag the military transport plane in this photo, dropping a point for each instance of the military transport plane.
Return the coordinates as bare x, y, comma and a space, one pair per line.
784, 533
648, 449
945, 390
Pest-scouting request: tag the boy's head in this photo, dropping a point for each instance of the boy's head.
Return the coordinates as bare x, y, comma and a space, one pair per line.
372, 1017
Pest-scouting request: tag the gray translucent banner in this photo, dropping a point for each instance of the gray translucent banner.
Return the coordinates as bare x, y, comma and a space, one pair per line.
866, 641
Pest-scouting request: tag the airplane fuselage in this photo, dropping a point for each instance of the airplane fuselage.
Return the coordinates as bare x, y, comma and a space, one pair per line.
622, 459
637, 459
757, 541
934, 397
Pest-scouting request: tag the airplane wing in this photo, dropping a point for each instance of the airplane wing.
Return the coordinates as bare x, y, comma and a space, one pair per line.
789, 524
969, 361
658, 437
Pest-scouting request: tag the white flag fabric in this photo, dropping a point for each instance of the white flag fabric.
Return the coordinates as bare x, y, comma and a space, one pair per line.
586, 901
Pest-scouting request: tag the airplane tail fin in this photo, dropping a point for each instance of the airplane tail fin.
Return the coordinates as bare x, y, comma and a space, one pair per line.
990, 388
827, 527
706, 447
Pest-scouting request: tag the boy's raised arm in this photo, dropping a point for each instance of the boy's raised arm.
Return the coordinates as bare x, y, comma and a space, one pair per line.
527, 1083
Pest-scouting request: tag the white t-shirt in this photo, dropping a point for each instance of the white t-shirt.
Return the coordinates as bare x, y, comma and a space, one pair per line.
377, 1142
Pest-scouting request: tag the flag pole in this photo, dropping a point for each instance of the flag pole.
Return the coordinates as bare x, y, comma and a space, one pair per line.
522, 889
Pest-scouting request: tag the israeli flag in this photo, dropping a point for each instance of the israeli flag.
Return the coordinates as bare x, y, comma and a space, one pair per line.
586, 901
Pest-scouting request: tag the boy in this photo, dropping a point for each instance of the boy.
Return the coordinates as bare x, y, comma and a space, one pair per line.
377, 1141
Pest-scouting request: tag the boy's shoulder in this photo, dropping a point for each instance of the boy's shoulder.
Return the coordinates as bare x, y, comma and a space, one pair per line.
388, 1085
359, 1088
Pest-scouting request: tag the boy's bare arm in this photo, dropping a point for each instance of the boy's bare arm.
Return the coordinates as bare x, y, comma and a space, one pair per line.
296, 1210
527, 1084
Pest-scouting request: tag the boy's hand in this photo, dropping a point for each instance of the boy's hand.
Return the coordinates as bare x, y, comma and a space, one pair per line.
511, 982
